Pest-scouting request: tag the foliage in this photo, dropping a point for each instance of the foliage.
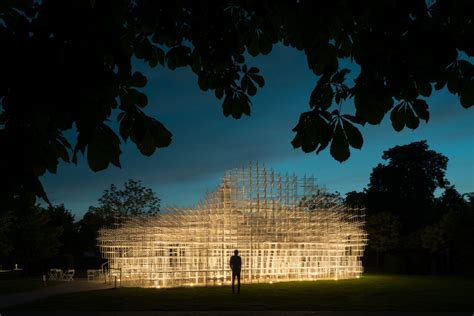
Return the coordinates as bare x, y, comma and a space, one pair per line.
59, 216
32, 237
133, 199
453, 234
5, 228
356, 199
406, 184
69, 64
88, 227
321, 199
383, 230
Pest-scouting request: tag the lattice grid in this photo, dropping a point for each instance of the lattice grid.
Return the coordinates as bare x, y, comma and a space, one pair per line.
284, 229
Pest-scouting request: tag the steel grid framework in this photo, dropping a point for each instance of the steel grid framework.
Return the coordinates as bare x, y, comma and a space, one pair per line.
280, 232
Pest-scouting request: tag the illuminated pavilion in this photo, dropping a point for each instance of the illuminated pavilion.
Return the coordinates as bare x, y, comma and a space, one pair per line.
284, 229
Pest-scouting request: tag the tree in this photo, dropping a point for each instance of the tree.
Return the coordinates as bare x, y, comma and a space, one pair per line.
356, 199
383, 230
32, 237
59, 216
320, 198
5, 228
70, 64
133, 199
452, 236
405, 186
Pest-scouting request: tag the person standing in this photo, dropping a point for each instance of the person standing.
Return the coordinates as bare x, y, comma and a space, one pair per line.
235, 265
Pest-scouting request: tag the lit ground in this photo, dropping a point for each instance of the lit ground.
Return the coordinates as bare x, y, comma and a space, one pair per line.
369, 293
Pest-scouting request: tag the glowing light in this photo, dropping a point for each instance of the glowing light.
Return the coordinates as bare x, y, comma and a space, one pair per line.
284, 229
358, 277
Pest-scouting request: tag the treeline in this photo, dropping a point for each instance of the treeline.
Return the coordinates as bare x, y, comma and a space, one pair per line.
37, 238
410, 230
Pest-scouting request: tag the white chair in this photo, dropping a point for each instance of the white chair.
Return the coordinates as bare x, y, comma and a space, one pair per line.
52, 274
55, 274
90, 275
68, 275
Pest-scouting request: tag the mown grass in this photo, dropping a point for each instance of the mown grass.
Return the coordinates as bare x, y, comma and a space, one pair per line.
369, 293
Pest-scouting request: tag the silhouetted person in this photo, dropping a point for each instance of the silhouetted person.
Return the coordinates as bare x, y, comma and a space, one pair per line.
235, 265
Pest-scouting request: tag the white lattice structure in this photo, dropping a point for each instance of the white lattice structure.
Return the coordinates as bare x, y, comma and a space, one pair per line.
281, 234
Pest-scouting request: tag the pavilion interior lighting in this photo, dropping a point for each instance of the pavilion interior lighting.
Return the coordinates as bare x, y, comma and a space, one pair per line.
284, 228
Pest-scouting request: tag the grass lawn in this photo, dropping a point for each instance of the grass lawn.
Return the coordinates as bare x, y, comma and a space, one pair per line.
369, 293
23, 285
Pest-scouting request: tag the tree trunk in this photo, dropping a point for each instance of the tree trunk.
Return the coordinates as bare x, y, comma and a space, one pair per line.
377, 260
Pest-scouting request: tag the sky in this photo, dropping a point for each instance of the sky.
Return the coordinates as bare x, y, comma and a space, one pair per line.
205, 143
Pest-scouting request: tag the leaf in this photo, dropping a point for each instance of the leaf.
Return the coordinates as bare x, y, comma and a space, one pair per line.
227, 106
397, 117
62, 151
411, 120
219, 92
424, 88
312, 131
149, 134
103, 148
161, 135
258, 79
421, 109
453, 83
467, 95
138, 80
253, 70
203, 82
354, 119
321, 96
251, 89
339, 76
139, 99
339, 145
265, 45
354, 136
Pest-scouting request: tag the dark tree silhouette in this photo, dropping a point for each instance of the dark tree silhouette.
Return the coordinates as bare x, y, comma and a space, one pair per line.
62, 218
32, 237
405, 186
68, 64
356, 199
383, 230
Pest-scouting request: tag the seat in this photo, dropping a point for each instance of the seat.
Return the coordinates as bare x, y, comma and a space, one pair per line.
55, 274
52, 274
69, 275
90, 275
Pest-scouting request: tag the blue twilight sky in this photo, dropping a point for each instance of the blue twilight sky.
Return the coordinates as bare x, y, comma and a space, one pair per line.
205, 143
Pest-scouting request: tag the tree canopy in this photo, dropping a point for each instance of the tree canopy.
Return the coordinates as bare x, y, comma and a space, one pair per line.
70, 65
133, 199
406, 184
